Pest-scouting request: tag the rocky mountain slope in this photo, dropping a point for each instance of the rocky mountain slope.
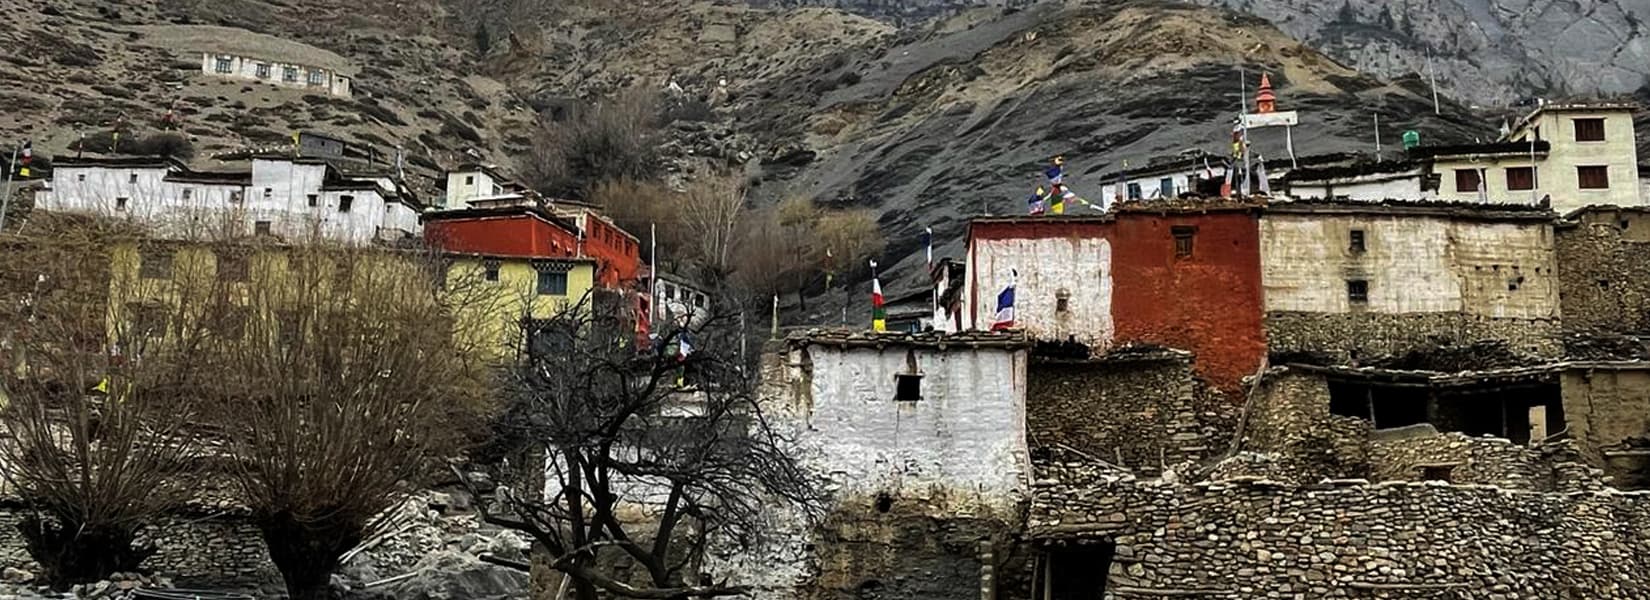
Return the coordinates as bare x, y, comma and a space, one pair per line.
1491, 52
931, 130
925, 125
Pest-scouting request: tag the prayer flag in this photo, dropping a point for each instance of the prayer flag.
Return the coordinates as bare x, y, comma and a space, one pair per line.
879, 317
1005, 305
28, 157
928, 244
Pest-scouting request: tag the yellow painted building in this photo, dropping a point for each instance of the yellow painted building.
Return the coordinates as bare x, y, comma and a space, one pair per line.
1584, 155
517, 288
159, 289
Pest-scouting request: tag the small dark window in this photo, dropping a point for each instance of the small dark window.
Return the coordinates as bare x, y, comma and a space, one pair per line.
80, 178
1593, 178
1589, 130
188, 193
1466, 180
1165, 187
490, 270
1357, 291
120, 203
1134, 191
236, 197
263, 70
1182, 240
133, 178
1437, 472
156, 264
223, 65
344, 203
261, 227
1514, 283
232, 267
314, 200
469, 180
269, 193
1520, 178
1062, 301
148, 320
289, 74
907, 387
552, 284
1357, 245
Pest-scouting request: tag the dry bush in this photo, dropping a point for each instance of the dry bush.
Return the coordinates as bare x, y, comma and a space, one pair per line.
342, 391
99, 412
613, 140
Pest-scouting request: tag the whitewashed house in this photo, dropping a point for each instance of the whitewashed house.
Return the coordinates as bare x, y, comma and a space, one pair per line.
279, 196
903, 414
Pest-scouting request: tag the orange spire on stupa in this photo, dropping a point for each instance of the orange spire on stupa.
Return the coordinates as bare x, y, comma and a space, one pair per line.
1265, 101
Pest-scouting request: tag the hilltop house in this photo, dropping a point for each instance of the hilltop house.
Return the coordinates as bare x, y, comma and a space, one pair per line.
234, 53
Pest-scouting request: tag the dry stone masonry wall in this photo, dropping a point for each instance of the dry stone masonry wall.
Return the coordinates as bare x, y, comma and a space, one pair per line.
1348, 539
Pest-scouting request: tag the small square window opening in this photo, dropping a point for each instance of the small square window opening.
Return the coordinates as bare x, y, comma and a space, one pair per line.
1357, 291
1357, 242
1182, 241
907, 387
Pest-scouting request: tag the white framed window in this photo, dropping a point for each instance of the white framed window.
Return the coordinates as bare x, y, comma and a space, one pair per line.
224, 65
263, 70
317, 77
289, 74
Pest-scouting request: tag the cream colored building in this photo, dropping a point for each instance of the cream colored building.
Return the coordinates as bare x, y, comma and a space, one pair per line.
1582, 155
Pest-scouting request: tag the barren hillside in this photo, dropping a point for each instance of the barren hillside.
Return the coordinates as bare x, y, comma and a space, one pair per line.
925, 125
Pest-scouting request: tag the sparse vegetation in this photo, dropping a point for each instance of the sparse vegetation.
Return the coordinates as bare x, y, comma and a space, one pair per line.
613, 140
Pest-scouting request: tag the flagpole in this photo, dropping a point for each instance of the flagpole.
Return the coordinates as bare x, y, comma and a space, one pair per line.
5, 201
775, 333
1377, 136
652, 272
1243, 121
1434, 77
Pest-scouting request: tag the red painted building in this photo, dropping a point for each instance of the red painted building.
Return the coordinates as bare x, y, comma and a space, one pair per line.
1181, 276
502, 231
618, 252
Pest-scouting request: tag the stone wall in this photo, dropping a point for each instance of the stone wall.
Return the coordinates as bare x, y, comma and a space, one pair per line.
1140, 410
1607, 411
1366, 334
1604, 273
194, 546
1348, 539
1289, 419
1480, 460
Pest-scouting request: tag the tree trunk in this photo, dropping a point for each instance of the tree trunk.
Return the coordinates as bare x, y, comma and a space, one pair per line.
71, 553
306, 551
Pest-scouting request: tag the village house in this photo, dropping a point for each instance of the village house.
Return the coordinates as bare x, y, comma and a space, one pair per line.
1570, 155
1184, 275
1604, 270
281, 196
919, 438
239, 54
1359, 279
618, 253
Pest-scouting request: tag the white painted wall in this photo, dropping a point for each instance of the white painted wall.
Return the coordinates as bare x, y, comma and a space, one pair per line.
1080, 267
247, 68
1414, 264
1151, 186
1371, 188
463, 186
966, 435
278, 193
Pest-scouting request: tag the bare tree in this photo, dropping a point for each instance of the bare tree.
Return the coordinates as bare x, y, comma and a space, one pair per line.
648, 456
797, 216
343, 391
711, 213
614, 139
99, 390
852, 235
